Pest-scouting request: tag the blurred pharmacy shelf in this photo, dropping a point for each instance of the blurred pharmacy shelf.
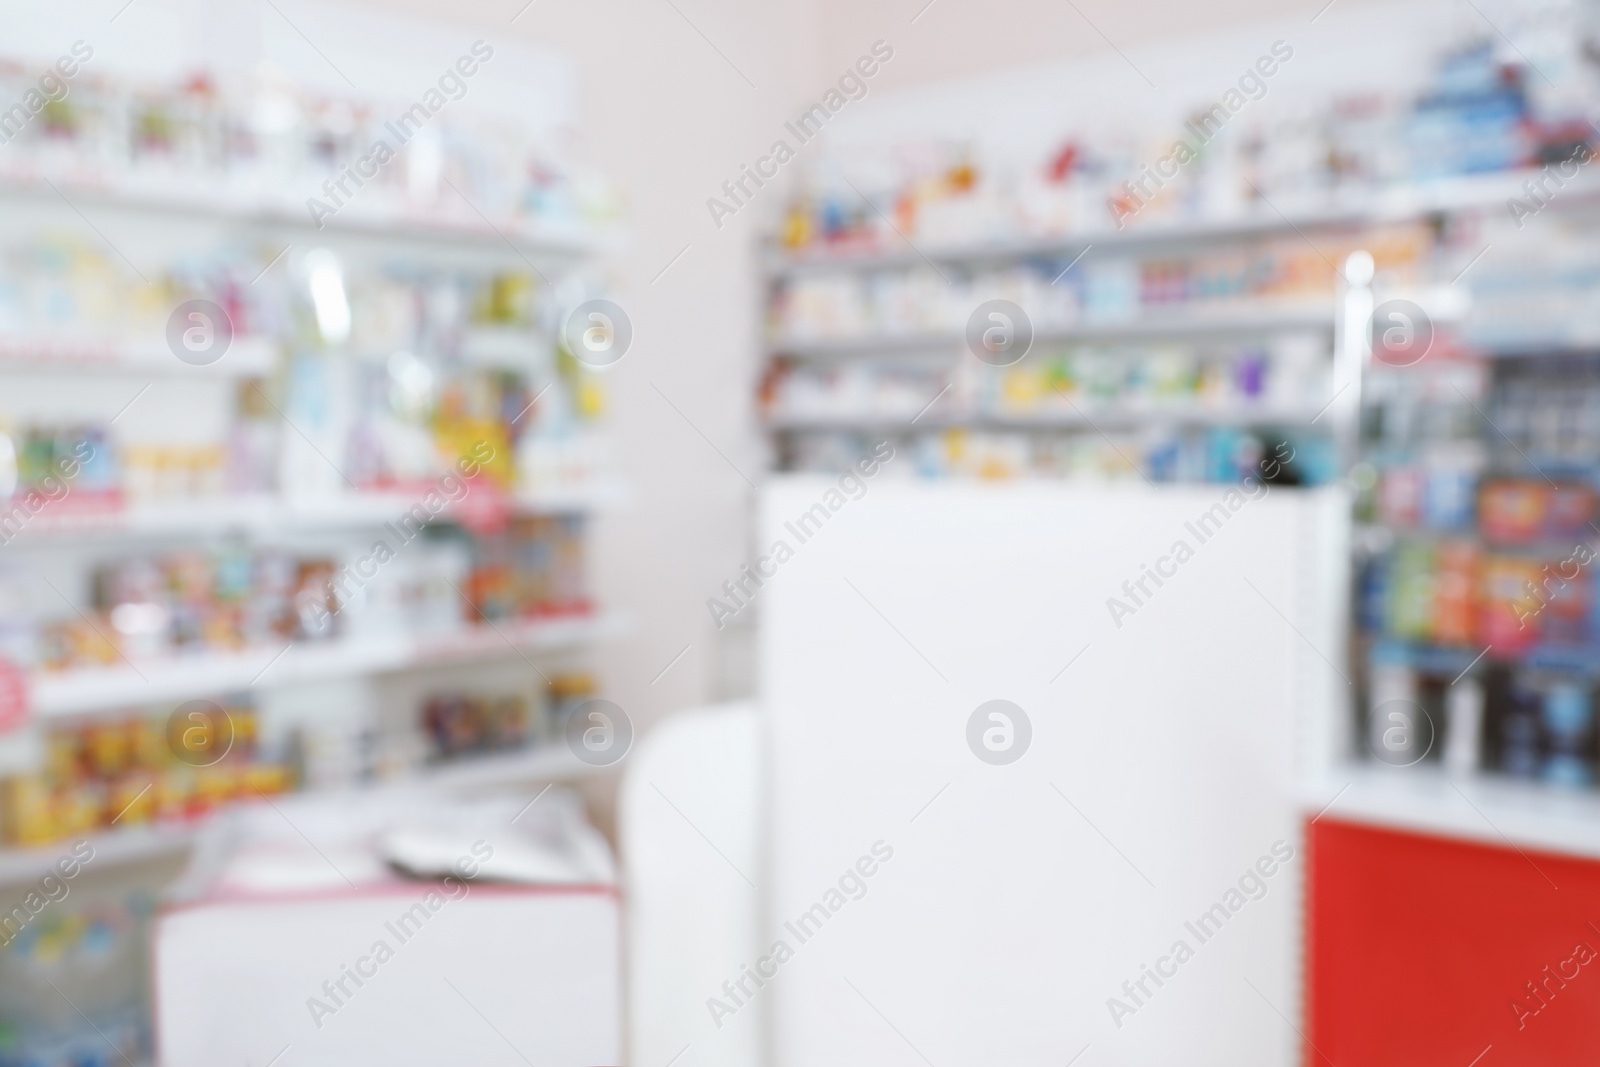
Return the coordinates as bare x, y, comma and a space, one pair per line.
267, 513
1500, 812
275, 208
111, 847
1355, 208
1164, 234
550, 762
54, 354
1147, 326
1085, 417
86, 690
387, 339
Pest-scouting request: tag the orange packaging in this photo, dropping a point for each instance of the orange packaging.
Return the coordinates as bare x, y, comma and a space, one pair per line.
1455, 596
89, 644
316, 602
1512, 512
150, 743
222, 626
63, 756
109, 746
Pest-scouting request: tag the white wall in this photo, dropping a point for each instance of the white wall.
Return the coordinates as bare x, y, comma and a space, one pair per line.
962, 39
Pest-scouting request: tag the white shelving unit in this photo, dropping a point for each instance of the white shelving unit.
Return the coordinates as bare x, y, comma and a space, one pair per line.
269, 513
1353, 209
1233, 320
266, 207
178, 678
1480, 807
246, 357
1086, 417
1154, 326
79, 526
1238, 319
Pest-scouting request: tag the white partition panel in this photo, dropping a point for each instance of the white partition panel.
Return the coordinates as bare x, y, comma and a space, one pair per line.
1156, 789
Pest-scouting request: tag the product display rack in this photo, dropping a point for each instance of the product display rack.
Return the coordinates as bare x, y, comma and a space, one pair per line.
261, 513
1237, 321
355, 541
1483, 807
1350, 209
247, 357
1453, 786
81, 691
270, 209
1088, 419
84, 526
1155, 326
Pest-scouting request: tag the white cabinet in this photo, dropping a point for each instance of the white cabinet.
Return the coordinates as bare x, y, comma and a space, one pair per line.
1154, 804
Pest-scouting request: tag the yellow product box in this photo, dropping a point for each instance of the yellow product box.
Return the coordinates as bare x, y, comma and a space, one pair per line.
133, 799
26, 814
88, 646
61, 762
458, 437
1022, 389
109, 746
80, 808
150, 749
215, 786
266, 779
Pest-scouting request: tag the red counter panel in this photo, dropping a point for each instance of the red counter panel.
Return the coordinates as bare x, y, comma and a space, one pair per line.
1424, 950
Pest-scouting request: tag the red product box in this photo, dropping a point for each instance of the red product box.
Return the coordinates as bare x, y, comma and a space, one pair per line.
1513, 512
1508, 612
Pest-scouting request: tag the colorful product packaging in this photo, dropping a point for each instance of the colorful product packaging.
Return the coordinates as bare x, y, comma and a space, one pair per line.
1400, 497
1508, 616
1411, 592
1512, 512
1455, 595
121, 771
